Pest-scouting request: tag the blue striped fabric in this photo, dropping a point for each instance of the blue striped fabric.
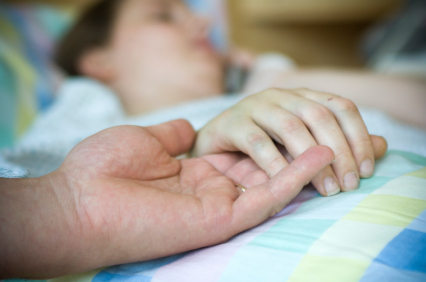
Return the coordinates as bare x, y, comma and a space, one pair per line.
377, 233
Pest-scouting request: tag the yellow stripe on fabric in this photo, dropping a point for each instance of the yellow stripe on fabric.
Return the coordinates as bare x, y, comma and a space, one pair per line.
25, 79
9, 33
387, 210
27, 111
84, 277
421, 173
354, 240
405, 186
326, 269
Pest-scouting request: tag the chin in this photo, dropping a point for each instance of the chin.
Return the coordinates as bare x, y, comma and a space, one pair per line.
211, 84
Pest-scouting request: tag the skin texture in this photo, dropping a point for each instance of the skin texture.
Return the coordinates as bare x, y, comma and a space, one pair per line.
121, 197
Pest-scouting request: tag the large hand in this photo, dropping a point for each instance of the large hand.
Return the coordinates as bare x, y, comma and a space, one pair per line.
297, 119
123, 198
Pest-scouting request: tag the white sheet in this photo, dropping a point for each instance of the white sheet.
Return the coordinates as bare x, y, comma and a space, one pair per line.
84, 107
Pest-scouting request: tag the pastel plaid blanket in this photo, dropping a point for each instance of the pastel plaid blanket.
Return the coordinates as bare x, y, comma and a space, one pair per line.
377, 233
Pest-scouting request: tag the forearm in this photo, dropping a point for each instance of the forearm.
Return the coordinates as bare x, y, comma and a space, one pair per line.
35, 231
402, 98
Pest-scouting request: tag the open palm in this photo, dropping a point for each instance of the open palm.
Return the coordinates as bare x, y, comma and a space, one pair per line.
134, 201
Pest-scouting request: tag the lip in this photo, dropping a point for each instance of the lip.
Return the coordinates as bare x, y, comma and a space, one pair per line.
204, 44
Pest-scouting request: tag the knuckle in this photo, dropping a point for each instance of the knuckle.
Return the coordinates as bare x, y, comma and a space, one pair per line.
277, 164
292, 124
257, 139
319, 114
362, 141
273, 92
343, 153
345, 105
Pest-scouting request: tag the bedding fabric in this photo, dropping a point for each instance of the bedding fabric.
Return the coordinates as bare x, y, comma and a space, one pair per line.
28, 79
377, 233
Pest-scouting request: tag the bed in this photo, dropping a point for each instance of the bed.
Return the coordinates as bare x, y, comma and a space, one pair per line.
377, 233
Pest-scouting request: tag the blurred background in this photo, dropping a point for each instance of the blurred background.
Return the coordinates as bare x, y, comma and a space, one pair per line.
384, 36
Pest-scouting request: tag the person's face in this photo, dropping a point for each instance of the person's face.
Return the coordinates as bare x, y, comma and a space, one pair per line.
163, 42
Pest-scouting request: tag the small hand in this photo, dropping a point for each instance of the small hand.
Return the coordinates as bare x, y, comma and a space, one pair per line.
296, 119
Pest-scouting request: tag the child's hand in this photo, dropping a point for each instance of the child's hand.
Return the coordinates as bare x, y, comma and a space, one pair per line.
297, 119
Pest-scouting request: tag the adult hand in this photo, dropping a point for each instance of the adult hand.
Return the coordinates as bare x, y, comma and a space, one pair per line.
121, 197
297, 119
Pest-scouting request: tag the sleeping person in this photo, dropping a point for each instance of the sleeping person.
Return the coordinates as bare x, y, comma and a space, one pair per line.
140, 57
124, 197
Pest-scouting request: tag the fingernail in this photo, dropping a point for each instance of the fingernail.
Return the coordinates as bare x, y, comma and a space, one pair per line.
366, 169
351, 181
331, 187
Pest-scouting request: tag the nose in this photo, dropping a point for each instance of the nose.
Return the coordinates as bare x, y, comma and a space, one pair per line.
199, 26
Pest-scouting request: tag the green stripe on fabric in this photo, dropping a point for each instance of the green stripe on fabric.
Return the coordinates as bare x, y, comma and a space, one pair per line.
414, 158
293, 235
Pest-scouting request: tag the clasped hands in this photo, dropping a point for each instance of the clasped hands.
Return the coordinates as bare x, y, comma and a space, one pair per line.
121, 195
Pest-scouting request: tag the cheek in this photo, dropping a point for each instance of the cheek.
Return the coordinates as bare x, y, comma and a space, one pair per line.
151, 45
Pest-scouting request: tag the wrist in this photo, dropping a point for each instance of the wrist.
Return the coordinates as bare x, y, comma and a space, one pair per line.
37, 228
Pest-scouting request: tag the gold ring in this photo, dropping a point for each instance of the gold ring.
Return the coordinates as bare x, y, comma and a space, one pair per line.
241, 187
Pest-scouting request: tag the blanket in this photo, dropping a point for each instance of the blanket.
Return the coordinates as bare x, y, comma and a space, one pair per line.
377, 233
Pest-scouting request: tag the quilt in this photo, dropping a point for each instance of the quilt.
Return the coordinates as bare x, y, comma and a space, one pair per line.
376, 233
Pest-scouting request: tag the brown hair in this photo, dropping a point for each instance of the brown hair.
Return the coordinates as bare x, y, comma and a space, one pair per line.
92, 30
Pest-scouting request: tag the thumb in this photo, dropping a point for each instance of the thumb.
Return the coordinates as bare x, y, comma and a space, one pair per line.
262, 201
177, 136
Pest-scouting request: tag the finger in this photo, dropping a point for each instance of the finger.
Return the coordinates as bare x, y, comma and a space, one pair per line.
242, 135
224, 161
238, 167
291, 131
176, 136
326, 131
353, 127
260, 147
380, 146
247, 173
260, 202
